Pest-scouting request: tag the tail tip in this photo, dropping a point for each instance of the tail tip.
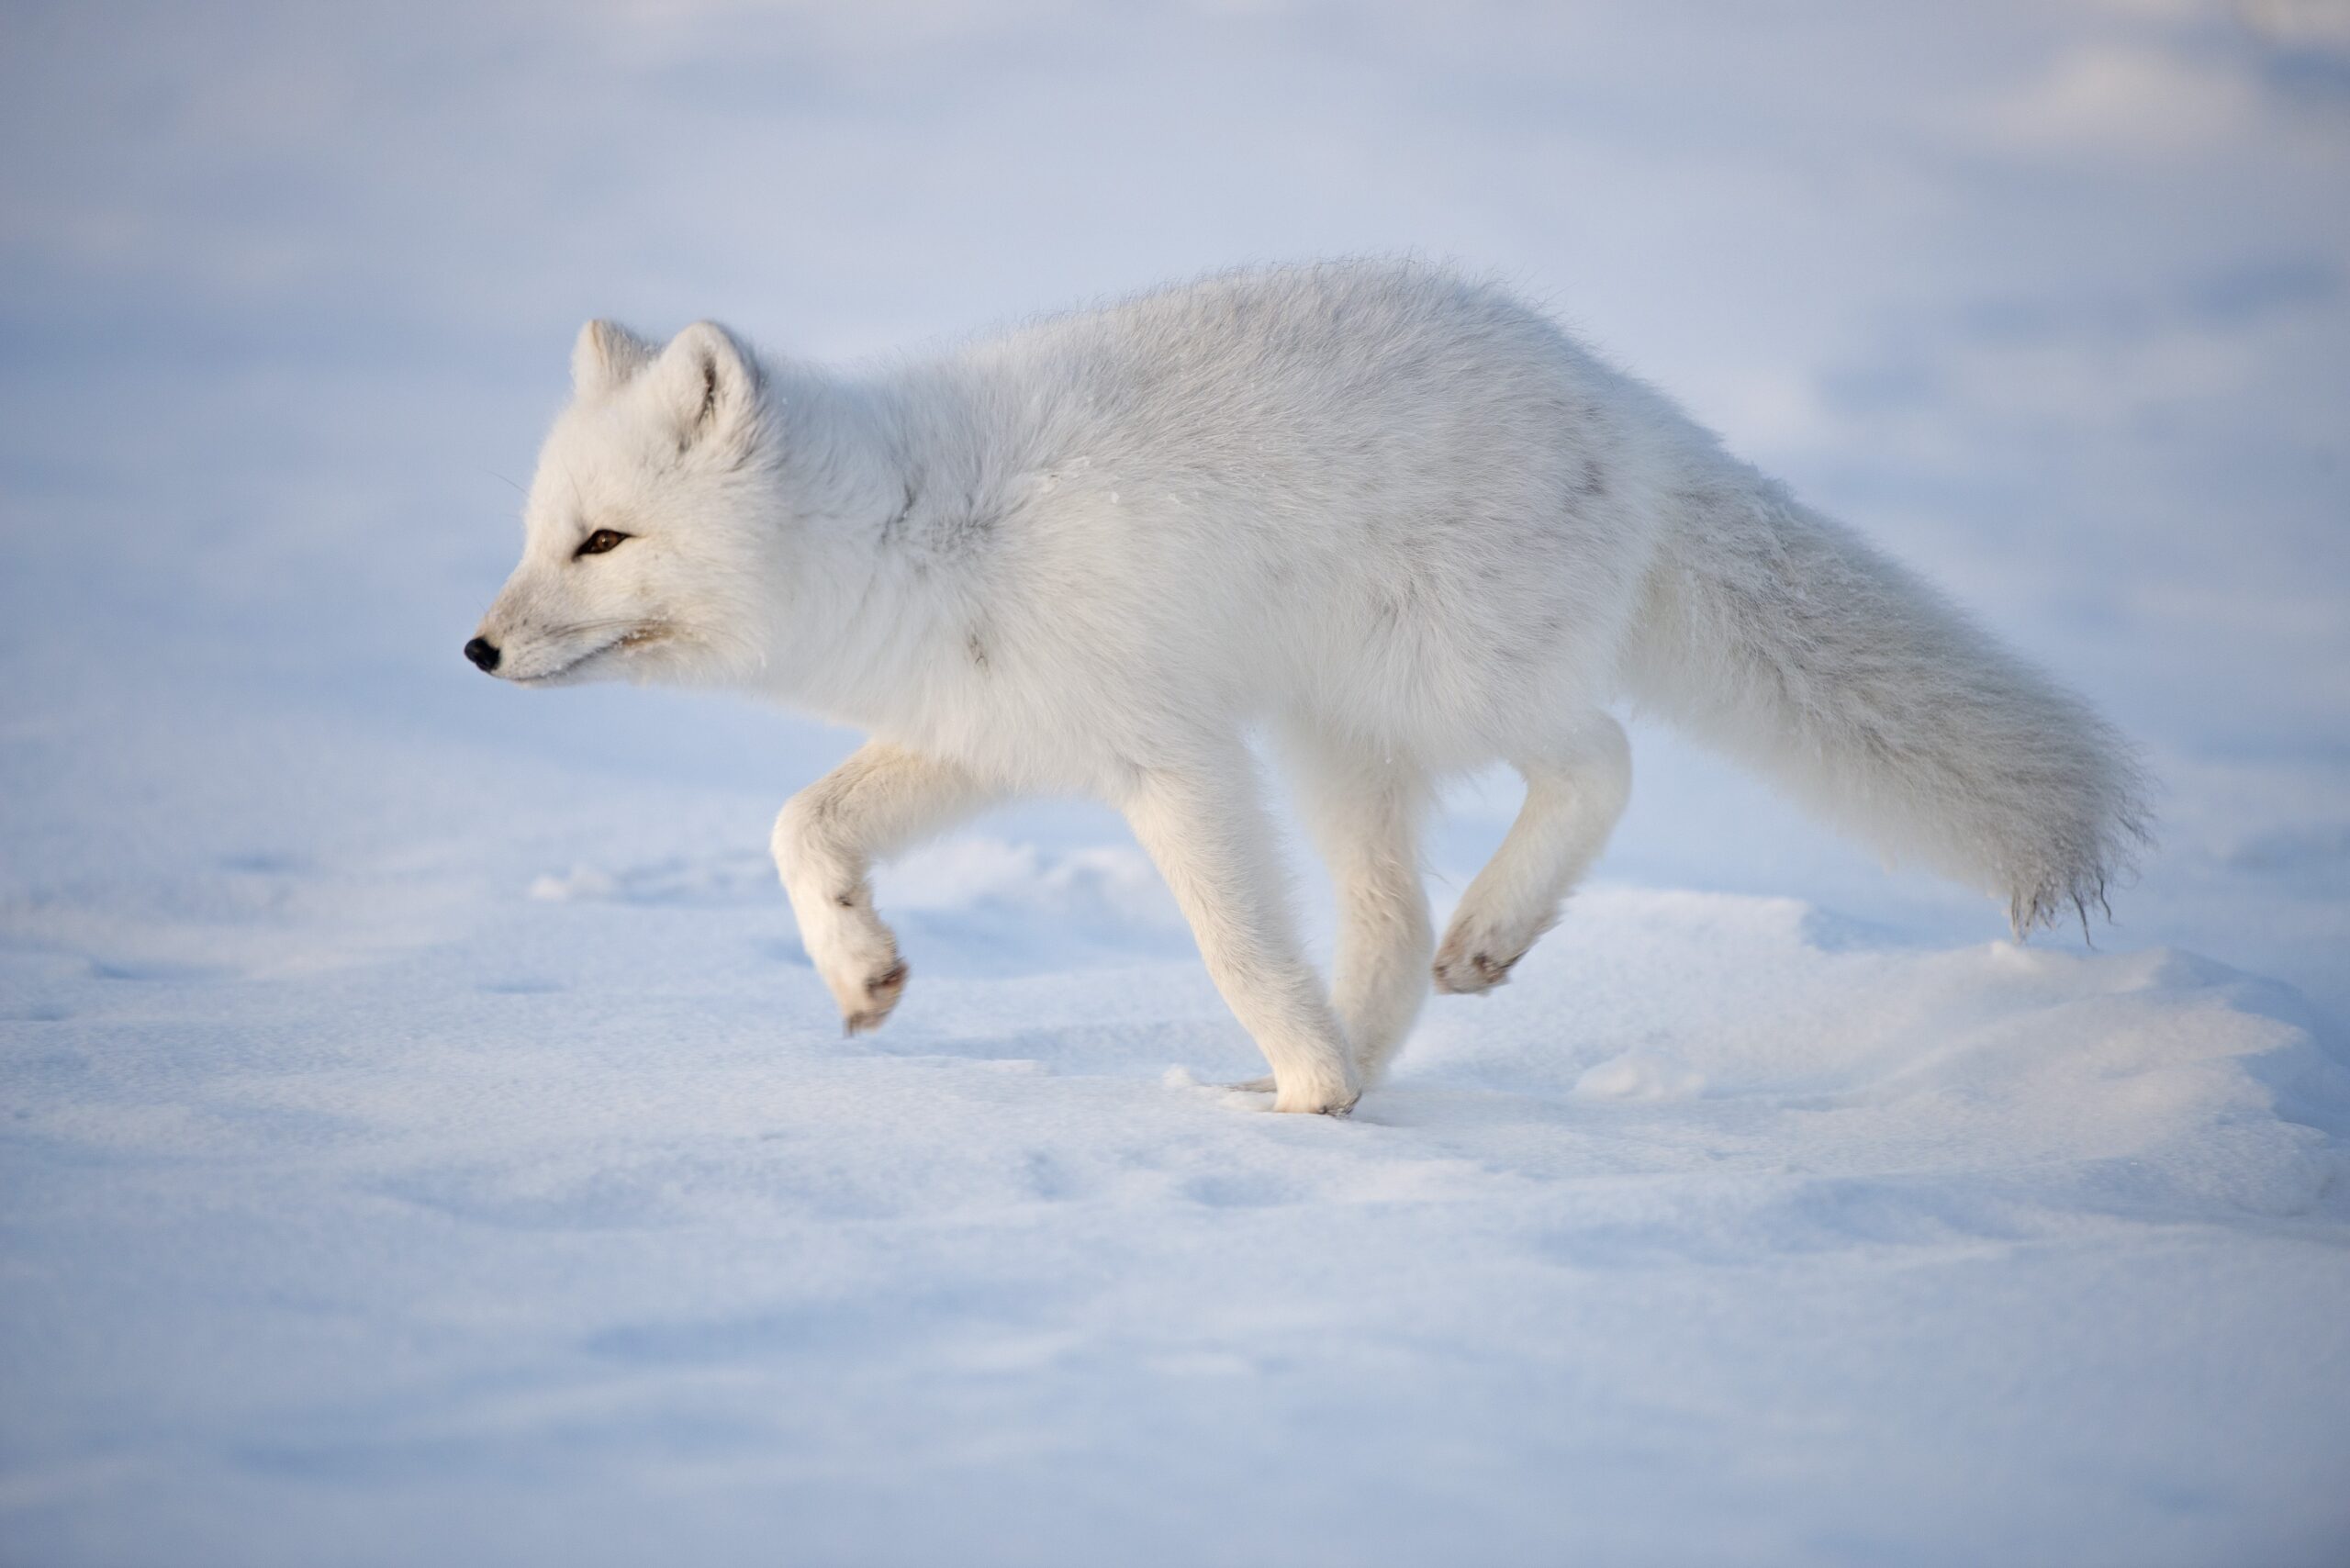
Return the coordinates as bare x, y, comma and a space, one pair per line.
2073, 882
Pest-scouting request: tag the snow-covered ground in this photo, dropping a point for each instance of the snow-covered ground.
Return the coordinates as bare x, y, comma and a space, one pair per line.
425, 1142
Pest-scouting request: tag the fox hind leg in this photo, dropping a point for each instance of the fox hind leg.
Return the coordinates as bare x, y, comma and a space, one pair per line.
1364, 810
1576, 790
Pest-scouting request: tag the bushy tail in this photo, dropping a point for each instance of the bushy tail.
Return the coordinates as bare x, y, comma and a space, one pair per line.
1779, 636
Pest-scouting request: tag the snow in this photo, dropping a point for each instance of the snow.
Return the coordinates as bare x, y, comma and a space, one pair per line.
425, 1141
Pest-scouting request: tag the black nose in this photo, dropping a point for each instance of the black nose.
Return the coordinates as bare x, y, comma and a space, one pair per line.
483, 652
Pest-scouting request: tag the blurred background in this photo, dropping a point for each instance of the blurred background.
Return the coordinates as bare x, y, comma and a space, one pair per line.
2047, 298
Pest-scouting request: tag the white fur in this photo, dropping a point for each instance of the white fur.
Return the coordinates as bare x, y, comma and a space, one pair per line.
1393, 518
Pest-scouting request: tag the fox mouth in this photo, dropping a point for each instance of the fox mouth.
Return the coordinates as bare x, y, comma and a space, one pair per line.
635, 637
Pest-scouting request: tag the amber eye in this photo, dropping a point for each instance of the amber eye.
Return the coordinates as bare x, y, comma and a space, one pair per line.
603, 539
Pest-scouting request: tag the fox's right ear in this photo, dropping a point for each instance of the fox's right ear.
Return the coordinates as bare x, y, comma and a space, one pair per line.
607, 354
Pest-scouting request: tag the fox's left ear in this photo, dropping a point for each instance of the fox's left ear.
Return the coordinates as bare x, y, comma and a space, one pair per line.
711, 384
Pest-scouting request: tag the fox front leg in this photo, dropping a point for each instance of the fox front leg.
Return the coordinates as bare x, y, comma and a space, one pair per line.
878, 802
1214, 843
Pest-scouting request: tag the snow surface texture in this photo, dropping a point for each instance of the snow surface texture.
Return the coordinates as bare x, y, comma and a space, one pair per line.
425, 1143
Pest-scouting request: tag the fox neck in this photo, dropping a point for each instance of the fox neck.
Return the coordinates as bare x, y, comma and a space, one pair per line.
877, 488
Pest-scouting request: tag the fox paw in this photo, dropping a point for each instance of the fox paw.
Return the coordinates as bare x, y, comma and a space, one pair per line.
1472, 961
857, 957
1316, 1093
1318, 1103
1325, 1102
881, 993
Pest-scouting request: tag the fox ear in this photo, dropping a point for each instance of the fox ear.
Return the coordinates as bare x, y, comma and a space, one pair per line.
606, 354
711, 384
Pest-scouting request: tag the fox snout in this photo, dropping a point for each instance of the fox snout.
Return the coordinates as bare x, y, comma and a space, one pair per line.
484, 653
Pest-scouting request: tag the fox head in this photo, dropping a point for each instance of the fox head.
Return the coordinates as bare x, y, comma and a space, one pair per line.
640, 552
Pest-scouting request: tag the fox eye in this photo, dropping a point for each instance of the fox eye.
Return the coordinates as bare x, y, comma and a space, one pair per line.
603, 539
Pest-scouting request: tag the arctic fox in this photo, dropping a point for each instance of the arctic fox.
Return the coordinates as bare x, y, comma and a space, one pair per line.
1391, 518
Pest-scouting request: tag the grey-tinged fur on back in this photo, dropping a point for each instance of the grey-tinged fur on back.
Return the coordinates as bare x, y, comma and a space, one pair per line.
1778, 635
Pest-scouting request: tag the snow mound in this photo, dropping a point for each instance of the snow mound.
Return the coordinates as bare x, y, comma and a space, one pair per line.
2153, 1073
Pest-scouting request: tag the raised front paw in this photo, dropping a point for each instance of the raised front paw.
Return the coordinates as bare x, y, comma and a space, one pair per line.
877, 994
857, 957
